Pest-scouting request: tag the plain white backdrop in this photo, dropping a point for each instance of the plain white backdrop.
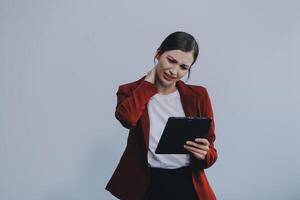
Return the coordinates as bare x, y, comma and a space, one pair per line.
61, 63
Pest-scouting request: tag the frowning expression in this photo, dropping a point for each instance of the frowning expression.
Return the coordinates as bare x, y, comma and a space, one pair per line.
172, 66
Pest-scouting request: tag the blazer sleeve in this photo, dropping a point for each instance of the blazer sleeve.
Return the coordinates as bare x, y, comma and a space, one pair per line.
132, 102
212, 153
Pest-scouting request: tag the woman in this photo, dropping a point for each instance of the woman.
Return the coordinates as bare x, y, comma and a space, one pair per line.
143, 107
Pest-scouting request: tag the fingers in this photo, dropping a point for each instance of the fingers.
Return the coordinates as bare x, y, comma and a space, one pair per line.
195, 150
202, 140
151, 72
199, 148
197, 145
199, 154
150, 77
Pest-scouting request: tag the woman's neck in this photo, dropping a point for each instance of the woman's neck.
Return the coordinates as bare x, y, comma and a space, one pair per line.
165, 90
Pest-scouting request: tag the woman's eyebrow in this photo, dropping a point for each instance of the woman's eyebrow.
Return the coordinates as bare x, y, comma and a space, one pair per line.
185, 65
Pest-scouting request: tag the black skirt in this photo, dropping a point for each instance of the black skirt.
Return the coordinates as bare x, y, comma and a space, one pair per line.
175, 184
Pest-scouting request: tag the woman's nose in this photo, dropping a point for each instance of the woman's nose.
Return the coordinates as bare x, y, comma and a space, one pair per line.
174, 71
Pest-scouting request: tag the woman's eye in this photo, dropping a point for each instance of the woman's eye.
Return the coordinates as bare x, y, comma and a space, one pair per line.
171, 61
184, 68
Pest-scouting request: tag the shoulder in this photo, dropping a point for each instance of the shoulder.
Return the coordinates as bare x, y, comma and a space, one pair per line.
139, 85
197, 90
130, 85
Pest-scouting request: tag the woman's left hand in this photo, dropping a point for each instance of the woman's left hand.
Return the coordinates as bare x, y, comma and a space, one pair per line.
199, 148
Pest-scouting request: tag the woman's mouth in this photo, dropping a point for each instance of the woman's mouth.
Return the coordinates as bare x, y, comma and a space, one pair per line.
168, 78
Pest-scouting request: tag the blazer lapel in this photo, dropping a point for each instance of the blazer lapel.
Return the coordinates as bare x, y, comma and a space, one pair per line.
188, 99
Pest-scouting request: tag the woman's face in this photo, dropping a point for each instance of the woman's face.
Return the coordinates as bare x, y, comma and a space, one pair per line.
172, 66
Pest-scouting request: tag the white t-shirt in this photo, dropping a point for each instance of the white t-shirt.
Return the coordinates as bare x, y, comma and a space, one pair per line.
160, 108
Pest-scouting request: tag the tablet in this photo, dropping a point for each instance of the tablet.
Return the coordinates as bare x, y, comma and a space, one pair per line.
178, 130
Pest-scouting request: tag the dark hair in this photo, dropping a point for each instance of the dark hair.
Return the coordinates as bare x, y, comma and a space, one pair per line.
180, 40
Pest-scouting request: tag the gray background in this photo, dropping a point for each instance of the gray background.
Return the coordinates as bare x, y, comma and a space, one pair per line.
61, 63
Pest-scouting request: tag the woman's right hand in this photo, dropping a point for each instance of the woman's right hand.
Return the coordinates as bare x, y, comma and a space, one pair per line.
150, 77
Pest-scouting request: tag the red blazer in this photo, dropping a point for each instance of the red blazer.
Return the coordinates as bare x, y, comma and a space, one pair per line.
131, 177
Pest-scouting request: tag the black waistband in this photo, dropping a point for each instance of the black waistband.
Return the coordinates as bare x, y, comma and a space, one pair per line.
170, 171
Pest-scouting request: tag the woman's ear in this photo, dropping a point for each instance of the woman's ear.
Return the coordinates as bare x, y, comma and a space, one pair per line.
157, 54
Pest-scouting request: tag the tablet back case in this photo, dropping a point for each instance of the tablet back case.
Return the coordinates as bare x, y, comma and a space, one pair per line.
178, 130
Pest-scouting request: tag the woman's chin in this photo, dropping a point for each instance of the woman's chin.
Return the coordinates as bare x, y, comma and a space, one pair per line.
167, 83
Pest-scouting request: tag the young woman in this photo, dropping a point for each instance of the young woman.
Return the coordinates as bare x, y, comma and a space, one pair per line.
143, 107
